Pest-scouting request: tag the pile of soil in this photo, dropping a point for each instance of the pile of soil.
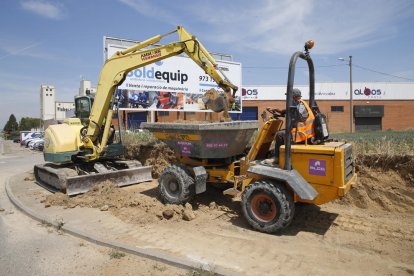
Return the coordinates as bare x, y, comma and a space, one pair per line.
401, 164
141, 205
158, 155
384, 183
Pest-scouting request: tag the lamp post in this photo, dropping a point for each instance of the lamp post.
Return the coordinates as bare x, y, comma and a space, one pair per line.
351, 115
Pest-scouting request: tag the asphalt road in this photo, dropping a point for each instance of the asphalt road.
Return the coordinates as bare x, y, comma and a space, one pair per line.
28, 247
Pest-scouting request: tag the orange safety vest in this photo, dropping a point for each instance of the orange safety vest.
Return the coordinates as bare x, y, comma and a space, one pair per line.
304, 130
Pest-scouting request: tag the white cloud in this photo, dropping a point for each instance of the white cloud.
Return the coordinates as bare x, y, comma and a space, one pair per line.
270, 26
11, 50
44, 9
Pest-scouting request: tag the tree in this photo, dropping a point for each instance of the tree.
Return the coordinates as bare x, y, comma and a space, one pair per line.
11, 124
27, 123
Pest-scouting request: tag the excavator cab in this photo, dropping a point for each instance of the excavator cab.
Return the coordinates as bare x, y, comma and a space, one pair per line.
83, 107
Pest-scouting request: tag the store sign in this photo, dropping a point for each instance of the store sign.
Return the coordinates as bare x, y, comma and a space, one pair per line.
250, 93
175, 83
369, 93
335, 91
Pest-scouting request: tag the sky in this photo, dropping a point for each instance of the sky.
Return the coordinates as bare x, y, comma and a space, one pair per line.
61, 42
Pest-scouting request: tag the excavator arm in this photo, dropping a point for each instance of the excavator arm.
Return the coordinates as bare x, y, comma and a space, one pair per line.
117, 67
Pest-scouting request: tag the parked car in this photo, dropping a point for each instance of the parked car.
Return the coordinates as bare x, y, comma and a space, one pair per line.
39, 145
27, 141
32, 142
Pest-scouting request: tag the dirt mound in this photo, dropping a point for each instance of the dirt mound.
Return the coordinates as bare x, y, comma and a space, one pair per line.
107, 196
140, 204
402, 164
384, 182
157, 155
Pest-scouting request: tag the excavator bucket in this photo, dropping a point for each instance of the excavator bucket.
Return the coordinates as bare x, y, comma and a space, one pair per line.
74, 179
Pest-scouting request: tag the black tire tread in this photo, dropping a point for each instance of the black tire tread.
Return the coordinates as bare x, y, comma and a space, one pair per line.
184, 180
281, 194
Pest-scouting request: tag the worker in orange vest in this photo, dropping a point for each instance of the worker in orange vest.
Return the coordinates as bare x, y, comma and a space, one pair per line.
302, 125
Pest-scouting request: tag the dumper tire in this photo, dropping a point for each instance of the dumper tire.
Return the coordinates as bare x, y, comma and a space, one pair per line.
175, 185
268, 206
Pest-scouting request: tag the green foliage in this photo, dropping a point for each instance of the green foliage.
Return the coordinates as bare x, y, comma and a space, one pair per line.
115, 254
200, 272
13, 135
138, 137
380, 142
27, 123
11, 124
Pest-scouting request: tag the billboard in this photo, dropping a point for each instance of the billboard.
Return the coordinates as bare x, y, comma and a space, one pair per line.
173, 84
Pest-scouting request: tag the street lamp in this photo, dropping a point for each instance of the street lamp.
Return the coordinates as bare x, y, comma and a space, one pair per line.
351, 117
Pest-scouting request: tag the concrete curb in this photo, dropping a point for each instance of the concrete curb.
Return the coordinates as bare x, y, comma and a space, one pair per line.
153, 254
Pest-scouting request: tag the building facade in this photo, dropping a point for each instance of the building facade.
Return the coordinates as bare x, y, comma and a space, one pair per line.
86, 88
375, 105
47, 102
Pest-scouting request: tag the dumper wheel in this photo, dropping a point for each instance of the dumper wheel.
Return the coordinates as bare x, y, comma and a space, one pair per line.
176, 186
268, 206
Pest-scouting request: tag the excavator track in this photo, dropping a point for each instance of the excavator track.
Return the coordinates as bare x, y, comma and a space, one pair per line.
77, 179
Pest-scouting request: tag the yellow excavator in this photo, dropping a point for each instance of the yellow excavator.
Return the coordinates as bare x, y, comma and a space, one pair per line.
81, 152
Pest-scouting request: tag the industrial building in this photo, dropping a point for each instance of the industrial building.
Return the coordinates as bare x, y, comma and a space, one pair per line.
47, 102
375, 105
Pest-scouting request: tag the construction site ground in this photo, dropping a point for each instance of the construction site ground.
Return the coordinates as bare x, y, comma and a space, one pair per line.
370, 231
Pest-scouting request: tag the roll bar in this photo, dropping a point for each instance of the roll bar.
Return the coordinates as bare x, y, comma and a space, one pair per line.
289, 99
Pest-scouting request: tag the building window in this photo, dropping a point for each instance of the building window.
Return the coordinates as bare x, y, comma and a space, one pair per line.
337, 108
47, 94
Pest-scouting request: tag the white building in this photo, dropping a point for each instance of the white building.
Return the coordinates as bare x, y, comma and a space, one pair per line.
47, 102
86, 88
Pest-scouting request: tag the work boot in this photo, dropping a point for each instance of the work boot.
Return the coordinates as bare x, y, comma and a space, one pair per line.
271, 161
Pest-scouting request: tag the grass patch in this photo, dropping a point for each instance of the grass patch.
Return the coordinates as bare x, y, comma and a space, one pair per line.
115, 254
160, 268
390, 143
138, 137
201, 272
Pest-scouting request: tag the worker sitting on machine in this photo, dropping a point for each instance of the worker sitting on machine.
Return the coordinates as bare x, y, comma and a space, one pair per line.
302, 122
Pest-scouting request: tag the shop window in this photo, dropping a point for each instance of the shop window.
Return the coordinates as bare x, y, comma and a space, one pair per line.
337, 108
